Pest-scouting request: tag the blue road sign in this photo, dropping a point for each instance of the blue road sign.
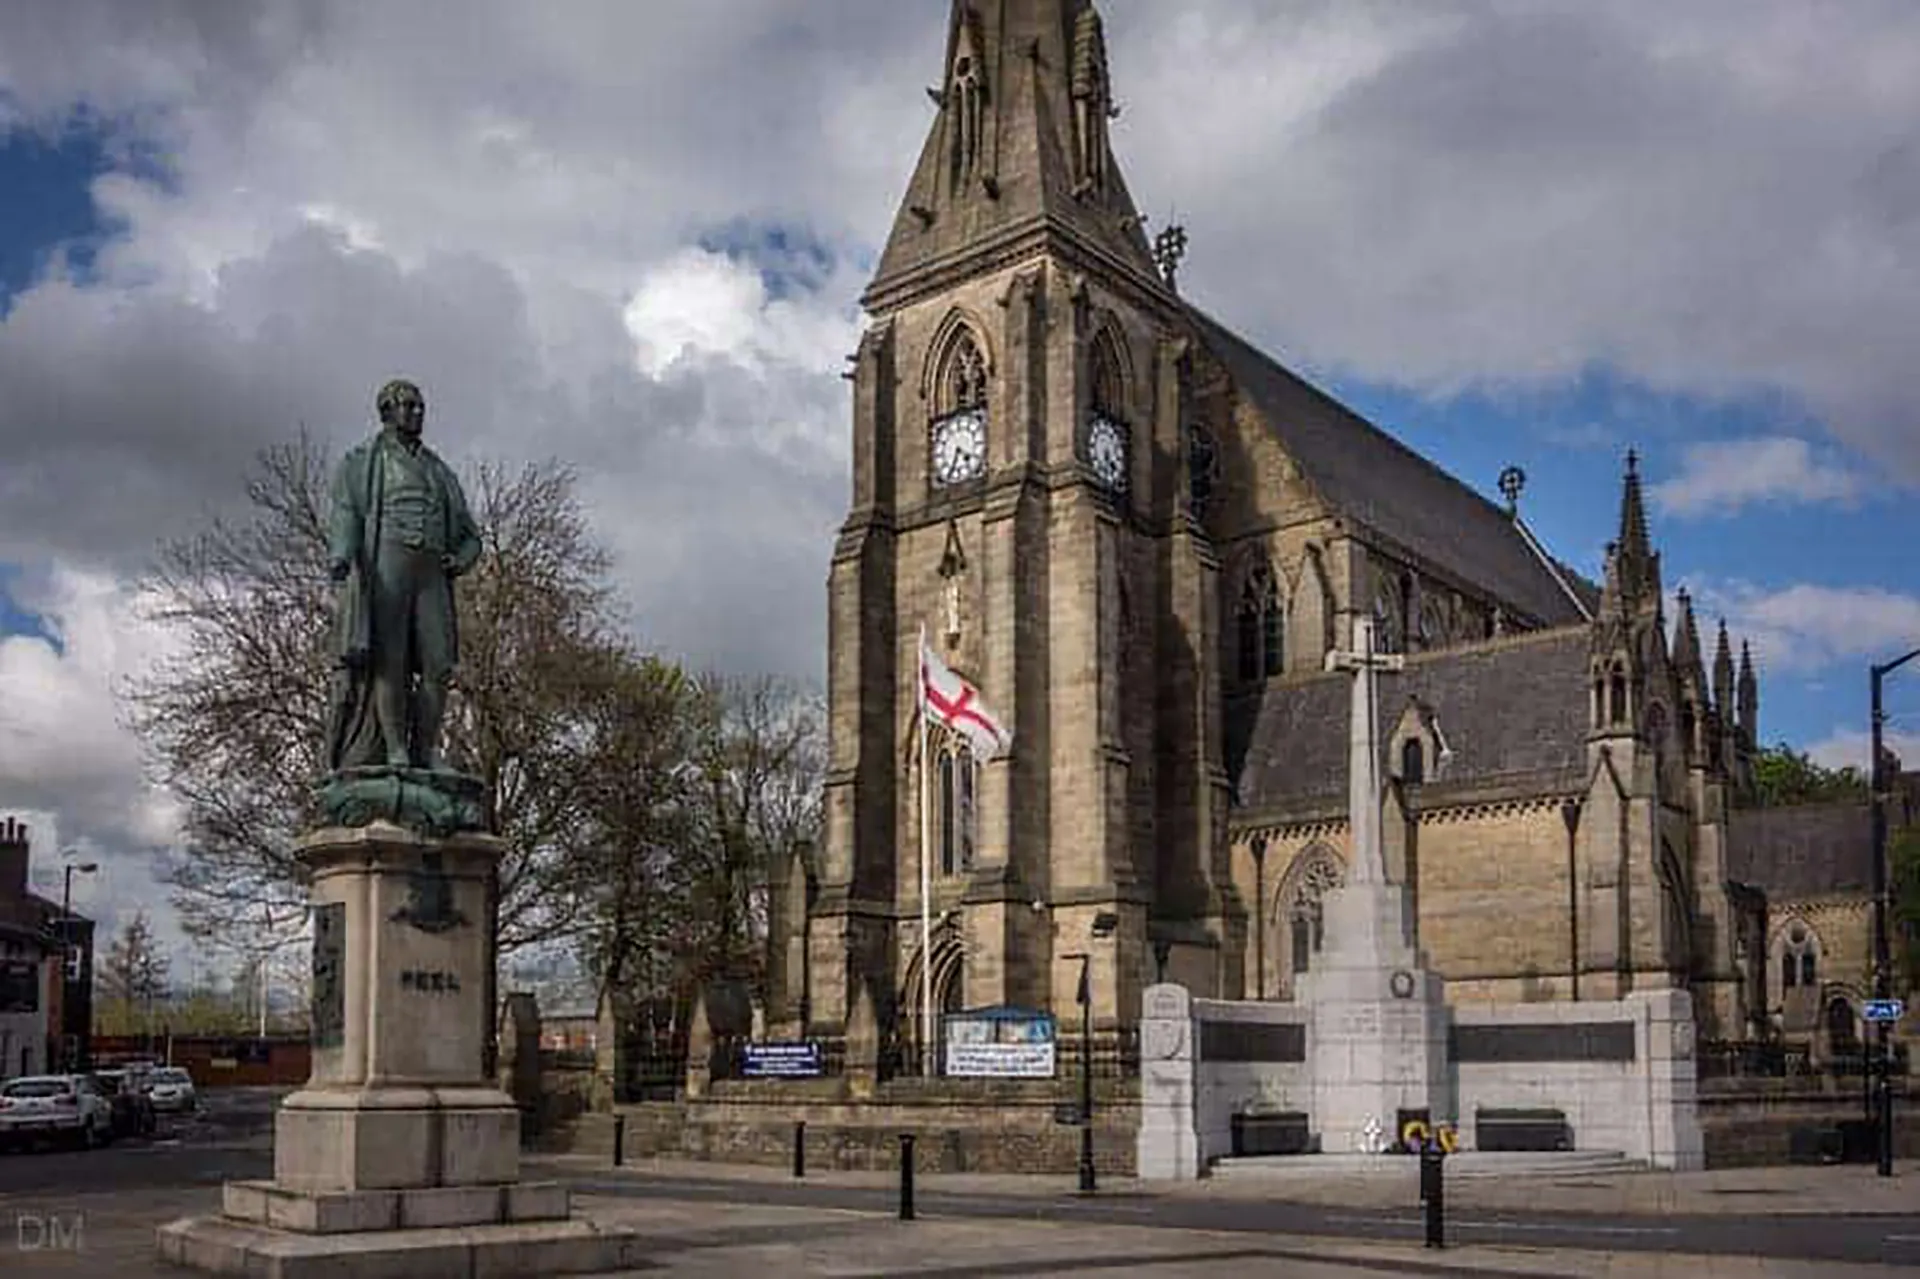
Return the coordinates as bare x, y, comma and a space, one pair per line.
1883, 1010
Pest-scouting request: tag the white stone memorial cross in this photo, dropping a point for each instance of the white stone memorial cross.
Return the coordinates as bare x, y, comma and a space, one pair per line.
1369, 863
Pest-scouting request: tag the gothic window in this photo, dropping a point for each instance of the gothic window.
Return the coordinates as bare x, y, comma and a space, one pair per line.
963, 381
1617, 695
1109, 384
1307, 931
1412, 762
1409, 613
1386, 621
954, 790
1263, 626
1689, 721
1799, 957
1202, 463
1318, 874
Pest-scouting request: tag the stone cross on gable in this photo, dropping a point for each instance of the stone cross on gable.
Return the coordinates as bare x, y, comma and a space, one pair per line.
1368, 863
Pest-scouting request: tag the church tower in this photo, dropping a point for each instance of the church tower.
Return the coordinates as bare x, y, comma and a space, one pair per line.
1635, 839
1018, 496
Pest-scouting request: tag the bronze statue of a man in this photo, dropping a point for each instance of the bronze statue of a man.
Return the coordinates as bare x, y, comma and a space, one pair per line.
399, 535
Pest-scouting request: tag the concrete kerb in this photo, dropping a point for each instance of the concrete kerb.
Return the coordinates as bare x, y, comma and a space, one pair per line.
1842, 1190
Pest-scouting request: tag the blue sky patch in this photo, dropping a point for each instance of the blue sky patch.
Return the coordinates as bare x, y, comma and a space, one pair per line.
791, 261
49, 203
17, 620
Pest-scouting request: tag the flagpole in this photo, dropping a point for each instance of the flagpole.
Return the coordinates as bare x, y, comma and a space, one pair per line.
926, 875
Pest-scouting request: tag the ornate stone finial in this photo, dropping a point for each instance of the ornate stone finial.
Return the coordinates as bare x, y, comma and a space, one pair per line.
1168, 248
1513, 482
1633, 461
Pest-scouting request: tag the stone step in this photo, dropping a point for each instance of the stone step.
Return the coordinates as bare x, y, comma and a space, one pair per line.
1469, 1163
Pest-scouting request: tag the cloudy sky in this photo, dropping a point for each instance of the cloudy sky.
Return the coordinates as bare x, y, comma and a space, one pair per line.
632, 236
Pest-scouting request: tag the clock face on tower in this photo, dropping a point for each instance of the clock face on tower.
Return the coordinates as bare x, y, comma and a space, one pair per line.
959, 447
1107, 451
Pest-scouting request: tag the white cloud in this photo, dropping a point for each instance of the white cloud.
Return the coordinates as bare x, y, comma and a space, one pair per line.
561, 221
1852, 748
1721, 476
1805, 627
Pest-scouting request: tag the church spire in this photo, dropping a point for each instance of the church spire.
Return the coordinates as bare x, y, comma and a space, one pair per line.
1639, 566
1019, 147
1686, 639
1723, 676
1749, 697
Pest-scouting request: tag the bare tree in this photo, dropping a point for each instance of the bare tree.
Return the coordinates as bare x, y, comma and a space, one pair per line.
235, 724
132, 976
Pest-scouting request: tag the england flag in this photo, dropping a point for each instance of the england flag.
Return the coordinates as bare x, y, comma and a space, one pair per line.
946, 698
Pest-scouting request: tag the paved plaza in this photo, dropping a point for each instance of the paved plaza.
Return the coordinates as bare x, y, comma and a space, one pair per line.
58, 1217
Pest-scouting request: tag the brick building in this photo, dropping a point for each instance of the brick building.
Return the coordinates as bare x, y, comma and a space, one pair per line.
46, 970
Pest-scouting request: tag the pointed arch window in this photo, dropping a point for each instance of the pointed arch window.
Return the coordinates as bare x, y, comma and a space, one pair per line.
1617, 695
1799, 957
1413, 762
1263, 626
963, 377
955, 784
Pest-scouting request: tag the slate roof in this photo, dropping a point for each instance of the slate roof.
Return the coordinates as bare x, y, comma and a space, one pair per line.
1806, 850
1509, 708
1381, 483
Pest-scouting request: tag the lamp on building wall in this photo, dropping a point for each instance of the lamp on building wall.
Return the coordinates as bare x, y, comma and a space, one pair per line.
1882, 974
66, 953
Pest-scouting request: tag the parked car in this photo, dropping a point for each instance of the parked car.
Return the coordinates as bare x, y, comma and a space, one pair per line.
55, 1107
171, 1089
133, 1112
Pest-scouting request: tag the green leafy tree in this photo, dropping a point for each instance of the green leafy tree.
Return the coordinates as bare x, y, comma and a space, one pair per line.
1783, 776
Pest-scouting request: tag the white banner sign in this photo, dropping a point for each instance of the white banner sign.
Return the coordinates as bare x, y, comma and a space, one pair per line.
1001, 1061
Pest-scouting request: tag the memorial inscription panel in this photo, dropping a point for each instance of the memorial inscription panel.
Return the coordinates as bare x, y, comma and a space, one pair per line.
329, 1004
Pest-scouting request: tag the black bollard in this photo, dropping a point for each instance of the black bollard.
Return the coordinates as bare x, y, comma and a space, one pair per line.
1433, 1193
619, 1140
906, 1176
799, 1147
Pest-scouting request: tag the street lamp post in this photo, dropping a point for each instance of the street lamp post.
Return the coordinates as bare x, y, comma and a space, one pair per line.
1259, 916
1882, 965
1104, 924
66, 953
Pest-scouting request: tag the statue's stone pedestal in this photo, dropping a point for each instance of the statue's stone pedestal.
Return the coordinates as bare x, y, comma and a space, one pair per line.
1377, 1029
399, 1156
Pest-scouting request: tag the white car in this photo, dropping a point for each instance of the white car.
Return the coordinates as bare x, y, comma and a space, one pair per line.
171, 1089
61, 1107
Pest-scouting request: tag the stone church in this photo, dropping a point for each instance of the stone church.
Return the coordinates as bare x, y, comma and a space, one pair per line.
1140, 537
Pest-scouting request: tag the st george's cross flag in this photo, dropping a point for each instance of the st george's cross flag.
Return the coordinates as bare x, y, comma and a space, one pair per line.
947, 698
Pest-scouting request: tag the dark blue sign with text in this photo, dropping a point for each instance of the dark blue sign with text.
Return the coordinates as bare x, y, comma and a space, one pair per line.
781, 1061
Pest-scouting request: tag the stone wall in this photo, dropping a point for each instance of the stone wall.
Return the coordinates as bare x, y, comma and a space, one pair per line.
1621, 1071
1754, 1122
1249, 1057
1000, 1126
